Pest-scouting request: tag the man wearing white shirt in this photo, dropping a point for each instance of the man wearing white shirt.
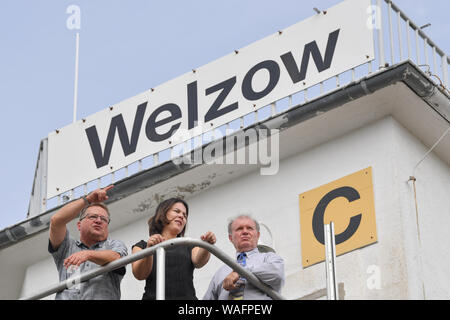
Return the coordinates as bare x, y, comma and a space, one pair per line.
243, 232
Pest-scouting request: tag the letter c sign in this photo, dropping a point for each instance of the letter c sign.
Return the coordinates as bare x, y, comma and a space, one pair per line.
349, 203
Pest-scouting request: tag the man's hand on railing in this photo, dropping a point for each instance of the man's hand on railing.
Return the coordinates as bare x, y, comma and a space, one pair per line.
230, 282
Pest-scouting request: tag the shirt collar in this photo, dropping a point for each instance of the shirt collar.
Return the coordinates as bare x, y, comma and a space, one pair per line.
96, 245
249, 253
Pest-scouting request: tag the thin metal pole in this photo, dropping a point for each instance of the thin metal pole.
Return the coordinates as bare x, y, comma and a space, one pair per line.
380, 36
445, 70
399, 31
160, 273
75, 89
391, 35
330, 262
434, 60
408, 41
417, 46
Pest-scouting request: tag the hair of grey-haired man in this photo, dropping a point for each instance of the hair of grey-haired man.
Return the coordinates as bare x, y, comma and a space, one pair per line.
242, 216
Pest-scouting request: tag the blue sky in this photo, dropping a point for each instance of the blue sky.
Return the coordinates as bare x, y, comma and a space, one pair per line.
126, 47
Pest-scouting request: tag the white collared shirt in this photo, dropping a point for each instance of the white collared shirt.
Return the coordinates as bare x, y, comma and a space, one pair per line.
267, 267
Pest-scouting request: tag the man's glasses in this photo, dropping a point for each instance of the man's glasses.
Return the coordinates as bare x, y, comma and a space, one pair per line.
94, 217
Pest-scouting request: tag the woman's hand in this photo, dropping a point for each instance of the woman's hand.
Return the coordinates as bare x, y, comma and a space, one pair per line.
209, 237
154, 240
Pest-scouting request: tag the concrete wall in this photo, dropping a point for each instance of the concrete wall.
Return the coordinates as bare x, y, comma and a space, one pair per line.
399, 266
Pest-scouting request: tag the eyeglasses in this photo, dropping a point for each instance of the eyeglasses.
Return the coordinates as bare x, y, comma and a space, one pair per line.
94, 217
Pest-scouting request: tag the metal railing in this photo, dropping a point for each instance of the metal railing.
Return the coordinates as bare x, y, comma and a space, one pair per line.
421, 50
160, 269
330, 261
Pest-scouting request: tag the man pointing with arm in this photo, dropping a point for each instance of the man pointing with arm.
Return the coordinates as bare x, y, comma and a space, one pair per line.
73, 257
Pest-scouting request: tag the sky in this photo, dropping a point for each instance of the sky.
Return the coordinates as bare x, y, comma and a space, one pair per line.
126, 48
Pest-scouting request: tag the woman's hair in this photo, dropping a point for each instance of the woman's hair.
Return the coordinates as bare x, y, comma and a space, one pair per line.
157, 223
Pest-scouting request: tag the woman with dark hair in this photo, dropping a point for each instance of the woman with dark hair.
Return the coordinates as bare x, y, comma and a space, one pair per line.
169, 222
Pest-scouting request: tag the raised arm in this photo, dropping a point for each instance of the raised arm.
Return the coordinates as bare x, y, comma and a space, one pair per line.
201, 256
69, 212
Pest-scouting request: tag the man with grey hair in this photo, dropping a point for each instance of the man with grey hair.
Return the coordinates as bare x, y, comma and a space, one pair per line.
226, 284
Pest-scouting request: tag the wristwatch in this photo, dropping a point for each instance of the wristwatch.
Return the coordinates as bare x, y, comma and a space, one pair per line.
86, 201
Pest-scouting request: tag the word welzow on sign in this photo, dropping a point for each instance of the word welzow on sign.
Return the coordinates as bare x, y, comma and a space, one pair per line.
240, 83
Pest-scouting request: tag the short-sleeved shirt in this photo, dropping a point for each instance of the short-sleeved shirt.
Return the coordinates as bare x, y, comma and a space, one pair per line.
179, 274
103, 287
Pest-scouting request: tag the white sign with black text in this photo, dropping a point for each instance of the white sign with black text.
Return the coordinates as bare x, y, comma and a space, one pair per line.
237, 84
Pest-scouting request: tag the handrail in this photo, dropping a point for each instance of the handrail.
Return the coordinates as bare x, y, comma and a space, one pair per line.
415, 27
146, 252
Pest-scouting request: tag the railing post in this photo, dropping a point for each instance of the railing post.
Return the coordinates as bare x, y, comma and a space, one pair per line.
379, 18
160, 273
330, 262
445, 70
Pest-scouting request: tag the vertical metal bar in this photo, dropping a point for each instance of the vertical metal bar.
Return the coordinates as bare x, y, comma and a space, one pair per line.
445, 70
160, 274
391, 35
273, 109
434, 60
290, 102
75, 89
408, 41
417, 47
399, 31
380, 35
156, 159
330, 262
44, 163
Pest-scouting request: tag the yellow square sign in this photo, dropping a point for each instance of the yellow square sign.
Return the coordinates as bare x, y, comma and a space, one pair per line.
349, 203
